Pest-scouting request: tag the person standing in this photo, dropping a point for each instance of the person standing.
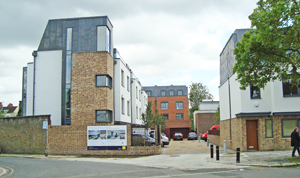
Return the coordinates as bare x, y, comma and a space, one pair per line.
295, 141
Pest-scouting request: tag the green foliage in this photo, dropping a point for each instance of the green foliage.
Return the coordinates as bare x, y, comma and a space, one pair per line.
1, 113
217, 115
198, 92
151, 119
191, 115
147, 117
270, 50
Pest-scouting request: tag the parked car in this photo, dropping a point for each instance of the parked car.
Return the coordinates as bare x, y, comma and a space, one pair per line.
148, 140
178, 136
192, 136
164, 140
214, 127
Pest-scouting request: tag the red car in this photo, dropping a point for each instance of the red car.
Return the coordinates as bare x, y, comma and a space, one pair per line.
204, 136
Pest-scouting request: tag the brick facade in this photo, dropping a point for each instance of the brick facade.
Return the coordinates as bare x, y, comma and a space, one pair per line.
86, 98
239, 134
204, 121
172, 124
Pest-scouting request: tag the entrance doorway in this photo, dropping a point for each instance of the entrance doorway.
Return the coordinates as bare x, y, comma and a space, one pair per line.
251, 129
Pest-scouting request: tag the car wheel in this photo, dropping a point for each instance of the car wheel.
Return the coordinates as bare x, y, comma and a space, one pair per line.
162, 145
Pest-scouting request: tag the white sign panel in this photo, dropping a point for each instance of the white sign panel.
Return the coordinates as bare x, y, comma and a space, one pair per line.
107, 137
45, 124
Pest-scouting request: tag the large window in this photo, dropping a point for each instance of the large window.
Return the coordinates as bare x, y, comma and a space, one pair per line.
288, 126
164, 105
179, 116
103, 81
254, 92
179, 104
103, 39
269, 128
128, 108
163, 93
289, 89
179, 92
165, 116
103, 116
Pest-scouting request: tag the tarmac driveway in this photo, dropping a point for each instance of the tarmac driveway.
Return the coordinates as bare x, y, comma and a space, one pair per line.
185, 146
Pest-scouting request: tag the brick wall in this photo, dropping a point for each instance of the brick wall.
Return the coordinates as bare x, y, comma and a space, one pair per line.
215, 139
86, 98
23, 134
172, 122
239, 133
204, 121
72, 140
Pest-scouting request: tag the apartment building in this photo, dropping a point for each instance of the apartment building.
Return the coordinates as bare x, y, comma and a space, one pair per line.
78, 78
255, 118
172, 103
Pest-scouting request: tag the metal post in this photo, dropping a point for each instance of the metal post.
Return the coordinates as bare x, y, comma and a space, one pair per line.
237, 155
207, 141
217, 153
224, 146
211, 151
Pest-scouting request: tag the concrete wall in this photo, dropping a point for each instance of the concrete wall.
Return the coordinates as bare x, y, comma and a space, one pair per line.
23, 135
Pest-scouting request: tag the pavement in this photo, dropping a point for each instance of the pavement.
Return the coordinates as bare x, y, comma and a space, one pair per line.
186, 155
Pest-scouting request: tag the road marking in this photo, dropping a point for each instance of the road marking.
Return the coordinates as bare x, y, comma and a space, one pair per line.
5, 172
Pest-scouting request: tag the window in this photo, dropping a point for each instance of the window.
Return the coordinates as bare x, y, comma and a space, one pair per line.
140, 95
140, 113
128, 84
164, 105
171, 93
103, 81
123, 107
128, 108
137, 112
179, 92
269, 128
148, 93
179, 116
103, 116
254, 92
165, 116
103, 38
122, 78
163, 93
179, 104
288, 125
136, 89
289, 89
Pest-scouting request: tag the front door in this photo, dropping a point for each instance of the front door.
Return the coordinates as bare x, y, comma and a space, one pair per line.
251, 129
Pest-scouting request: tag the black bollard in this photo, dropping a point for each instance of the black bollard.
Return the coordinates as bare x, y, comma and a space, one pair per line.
237, 155
211, 151
217, 152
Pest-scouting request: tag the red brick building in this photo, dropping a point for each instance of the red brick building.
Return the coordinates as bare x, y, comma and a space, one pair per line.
172, 103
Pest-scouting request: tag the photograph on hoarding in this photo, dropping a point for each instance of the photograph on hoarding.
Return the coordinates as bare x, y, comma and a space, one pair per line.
113, 134
102, 134
122, 134
94, 134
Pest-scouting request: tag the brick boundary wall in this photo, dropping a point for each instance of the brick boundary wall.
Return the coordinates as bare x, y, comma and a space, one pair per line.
23, 135
215, 139
72, 140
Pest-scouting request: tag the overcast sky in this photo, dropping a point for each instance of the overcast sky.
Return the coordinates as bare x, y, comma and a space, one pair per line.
163, 41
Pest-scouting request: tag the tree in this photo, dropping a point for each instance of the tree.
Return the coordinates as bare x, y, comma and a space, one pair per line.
191, 115
151, 119
217, 115
198, 92
269, 51
147, 117
2, 114
158, 119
